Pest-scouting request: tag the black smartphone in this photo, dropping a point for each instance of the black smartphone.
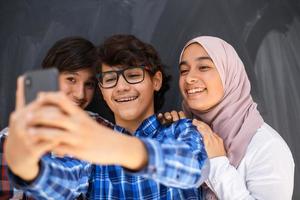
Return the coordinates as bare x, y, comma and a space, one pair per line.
45, 80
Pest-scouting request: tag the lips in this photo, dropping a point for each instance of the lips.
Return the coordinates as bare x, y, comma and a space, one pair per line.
126, 99
195, 91
79, 103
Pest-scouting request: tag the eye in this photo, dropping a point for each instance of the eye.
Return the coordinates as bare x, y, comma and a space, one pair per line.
203, 68
133, 75
183, 72
71, 80
109, 79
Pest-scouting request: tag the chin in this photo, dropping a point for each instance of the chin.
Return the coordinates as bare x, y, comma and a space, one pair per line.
128, 115
196, 106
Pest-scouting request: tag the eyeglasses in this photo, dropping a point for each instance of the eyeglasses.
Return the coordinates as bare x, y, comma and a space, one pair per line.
132, 75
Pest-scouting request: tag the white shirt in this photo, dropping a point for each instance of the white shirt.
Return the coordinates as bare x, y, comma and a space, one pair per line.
266, 171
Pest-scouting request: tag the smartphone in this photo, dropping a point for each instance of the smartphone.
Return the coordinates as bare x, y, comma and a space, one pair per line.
44, 80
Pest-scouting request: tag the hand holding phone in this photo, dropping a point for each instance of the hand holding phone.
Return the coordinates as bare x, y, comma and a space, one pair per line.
44, 80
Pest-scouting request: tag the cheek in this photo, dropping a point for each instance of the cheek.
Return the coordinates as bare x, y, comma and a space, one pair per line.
65, 88
181, 85
89, 94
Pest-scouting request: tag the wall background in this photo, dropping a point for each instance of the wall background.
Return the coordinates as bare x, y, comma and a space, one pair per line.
265, 33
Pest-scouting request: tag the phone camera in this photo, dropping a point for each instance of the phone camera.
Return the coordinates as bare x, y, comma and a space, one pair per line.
28, 82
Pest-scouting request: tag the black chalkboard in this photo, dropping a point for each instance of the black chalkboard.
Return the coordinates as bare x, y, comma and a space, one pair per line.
265, 33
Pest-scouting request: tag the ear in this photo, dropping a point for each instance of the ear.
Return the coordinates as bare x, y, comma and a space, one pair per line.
157, 80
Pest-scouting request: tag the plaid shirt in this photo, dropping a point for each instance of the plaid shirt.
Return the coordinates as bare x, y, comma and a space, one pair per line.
7, 191
177, 165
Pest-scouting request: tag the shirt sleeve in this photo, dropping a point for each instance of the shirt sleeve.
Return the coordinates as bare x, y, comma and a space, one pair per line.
58, 178
179, 161
265, 174
6, 189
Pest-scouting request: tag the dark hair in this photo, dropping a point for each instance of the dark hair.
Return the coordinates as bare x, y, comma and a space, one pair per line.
127, 50
71, 54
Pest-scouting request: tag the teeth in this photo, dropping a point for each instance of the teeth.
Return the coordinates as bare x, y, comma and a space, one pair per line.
125, 99
195, 90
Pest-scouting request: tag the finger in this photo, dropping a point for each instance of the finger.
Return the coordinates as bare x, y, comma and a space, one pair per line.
60, 100
175, 116
201, 128
161, 118
51, 117
167, 116
20, 99
181, 115
160, 115
64, 150
18, 121
54, 135
198, 124
43, 147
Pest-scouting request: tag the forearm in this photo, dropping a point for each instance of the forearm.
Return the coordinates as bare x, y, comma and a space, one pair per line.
119, 149
131, 153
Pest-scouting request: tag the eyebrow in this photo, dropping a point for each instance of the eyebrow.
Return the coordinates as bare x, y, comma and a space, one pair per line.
68, 72
198, 59
76, 74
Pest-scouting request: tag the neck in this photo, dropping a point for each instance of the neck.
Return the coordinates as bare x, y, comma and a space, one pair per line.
132, 124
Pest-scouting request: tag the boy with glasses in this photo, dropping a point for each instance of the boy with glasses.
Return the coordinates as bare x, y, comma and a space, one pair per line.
140, 159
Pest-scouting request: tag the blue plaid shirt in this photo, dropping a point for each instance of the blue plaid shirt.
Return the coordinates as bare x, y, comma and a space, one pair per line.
177, 165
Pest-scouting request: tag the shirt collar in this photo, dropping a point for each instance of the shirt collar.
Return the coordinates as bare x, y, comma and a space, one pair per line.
147, 128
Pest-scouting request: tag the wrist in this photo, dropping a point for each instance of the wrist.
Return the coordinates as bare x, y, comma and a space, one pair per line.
27, 173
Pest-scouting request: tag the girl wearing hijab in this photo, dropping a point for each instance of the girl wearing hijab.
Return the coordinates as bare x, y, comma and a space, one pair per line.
257, 163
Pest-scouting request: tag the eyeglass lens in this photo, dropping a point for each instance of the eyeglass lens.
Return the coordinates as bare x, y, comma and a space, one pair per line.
131, 75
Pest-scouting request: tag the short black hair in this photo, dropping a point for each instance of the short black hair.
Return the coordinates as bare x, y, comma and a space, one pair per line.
128, 50
71, 54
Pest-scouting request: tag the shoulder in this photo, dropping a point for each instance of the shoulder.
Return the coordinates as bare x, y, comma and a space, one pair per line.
266, 137
267, 146
182, 124
184, 127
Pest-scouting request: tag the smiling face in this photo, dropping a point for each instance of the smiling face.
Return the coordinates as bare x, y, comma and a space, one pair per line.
131, 103
199, 81
78, 85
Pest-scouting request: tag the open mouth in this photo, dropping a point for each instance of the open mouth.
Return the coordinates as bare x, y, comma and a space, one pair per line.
126, 99
195, 90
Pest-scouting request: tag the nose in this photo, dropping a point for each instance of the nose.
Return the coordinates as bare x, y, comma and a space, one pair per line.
122, 84
79, 92
191, 78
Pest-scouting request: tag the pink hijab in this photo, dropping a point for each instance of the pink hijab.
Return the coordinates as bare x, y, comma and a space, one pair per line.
235, 119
